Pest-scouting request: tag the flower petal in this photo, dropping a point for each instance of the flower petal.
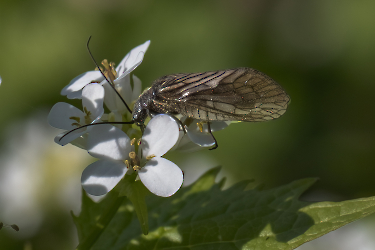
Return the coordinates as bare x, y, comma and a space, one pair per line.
160, 135
137, 88
186, 145
115, 116
63, 139
201, 138
125, 90
75, 95
101, 176
109, 97
61, 114
180, 140
161, 177
132, 60
112, 100
108, 142
80, 142
215, 126
81, 81
92, 99
126, 72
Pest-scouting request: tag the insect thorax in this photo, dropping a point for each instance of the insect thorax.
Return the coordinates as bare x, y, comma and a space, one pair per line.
142, 105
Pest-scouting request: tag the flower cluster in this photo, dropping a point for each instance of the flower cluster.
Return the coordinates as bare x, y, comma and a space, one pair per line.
121, 148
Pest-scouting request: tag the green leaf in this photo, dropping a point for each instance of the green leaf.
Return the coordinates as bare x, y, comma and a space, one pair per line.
203, 216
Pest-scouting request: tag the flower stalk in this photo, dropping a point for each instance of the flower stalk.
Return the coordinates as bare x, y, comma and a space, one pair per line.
101, 224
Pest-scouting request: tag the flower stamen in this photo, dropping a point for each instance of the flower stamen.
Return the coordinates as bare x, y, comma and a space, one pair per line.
109, 70
132, 142
87, 115
77, 119
150, 157
200, 125
127, 164
136, 168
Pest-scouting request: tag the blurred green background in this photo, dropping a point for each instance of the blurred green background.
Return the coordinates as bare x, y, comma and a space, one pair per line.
321, 52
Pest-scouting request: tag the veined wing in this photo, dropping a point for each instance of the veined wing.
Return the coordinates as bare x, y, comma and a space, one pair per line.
184, 84
241, 94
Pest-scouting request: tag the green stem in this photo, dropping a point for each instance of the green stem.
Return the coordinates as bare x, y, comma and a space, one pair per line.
136, 193
101, 224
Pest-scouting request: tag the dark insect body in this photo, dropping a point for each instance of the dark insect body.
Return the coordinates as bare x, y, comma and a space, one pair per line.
241, 94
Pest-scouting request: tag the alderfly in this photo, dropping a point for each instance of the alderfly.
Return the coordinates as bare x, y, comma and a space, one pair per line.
240, 94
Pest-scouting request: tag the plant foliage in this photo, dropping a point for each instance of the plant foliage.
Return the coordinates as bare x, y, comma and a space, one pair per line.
203, 216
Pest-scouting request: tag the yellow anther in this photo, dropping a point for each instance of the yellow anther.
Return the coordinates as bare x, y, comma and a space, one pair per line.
105, 64
200, 126
136, 168
150, 157
112, 66
132, 141
97, 68
127, 163
139, 142
109, 71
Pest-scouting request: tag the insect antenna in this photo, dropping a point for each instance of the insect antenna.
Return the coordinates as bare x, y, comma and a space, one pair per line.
110, 83
92, 124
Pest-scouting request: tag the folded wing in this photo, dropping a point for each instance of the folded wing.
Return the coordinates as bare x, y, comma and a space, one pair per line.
241, 94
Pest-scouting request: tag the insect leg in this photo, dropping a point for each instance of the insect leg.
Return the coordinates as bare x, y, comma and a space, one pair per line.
181, 126
209, 131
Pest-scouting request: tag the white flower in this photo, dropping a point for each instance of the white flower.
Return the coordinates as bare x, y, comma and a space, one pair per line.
121, 79
67, 117
123, 87
112, 146
197, 137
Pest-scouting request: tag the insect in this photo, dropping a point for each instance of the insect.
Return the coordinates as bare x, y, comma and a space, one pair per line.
240, 94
